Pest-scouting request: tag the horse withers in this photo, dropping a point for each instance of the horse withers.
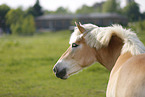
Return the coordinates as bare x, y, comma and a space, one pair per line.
116, 48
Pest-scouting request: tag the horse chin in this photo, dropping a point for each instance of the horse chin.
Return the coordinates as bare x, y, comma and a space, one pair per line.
64, 77
68, 75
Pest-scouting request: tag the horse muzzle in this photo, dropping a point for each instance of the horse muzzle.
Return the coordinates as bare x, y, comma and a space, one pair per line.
60, 73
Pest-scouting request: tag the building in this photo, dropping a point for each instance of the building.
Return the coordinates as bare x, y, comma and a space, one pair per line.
59, 22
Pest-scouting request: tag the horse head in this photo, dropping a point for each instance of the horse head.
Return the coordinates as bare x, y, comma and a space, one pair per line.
90, 43
77, 56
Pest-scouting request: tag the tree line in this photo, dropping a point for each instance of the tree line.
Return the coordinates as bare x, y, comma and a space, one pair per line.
19, 21
131, 10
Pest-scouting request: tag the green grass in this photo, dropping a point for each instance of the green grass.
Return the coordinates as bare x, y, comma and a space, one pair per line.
26, 69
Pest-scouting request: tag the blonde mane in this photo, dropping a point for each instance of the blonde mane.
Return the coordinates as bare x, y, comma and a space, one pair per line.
98, 37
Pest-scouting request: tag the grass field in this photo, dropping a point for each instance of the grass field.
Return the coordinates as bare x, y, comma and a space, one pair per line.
26, 69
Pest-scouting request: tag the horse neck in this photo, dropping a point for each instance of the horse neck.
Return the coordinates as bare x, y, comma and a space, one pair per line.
107, 56
121, 59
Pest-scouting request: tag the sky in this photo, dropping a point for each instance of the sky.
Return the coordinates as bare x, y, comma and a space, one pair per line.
54, 4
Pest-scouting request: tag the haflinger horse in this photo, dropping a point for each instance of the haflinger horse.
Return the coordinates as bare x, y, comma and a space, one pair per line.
116, 48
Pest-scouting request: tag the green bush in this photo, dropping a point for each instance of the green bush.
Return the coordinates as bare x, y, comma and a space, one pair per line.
28, 26
20, 23
25, 26
138, 27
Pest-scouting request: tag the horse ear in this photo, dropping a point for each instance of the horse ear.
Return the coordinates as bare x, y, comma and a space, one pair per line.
81, 29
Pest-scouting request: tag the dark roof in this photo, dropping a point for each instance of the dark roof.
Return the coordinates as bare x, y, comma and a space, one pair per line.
78, 16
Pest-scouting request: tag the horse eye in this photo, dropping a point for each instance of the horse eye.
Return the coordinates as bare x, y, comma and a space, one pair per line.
74, 45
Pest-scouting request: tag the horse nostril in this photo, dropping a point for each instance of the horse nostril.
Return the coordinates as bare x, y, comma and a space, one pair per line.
54, 70
61, 73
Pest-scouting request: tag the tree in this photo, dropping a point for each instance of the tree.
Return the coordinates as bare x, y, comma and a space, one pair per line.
46, 12
29, 11
85, 9
111, 6
132, 11
16, 28
25, 26
28, 25
36, 10
143, 15
3, 11
14, 15
62, 10
20, 23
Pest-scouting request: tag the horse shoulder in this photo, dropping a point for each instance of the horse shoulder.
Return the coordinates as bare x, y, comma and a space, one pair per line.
129, 79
